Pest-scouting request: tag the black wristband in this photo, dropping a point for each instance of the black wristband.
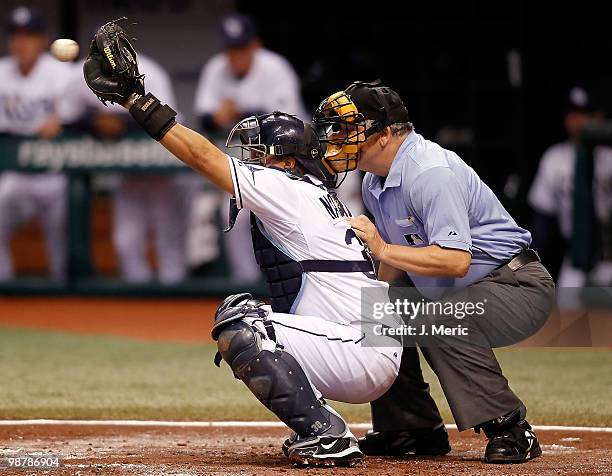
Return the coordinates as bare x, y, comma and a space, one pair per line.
155, 118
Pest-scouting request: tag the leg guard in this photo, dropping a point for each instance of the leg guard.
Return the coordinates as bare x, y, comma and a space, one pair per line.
277, 380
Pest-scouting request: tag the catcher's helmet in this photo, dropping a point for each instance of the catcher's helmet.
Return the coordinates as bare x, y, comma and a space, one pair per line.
341, 119
280, 134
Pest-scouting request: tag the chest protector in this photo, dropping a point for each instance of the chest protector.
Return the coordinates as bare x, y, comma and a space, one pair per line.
284, 275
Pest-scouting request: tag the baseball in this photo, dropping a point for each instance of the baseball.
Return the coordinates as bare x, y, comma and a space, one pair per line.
65, 49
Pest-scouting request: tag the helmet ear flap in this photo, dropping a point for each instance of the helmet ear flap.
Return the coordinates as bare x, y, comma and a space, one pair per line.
312, 157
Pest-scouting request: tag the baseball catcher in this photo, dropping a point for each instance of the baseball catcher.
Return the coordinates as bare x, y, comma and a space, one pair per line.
306, 346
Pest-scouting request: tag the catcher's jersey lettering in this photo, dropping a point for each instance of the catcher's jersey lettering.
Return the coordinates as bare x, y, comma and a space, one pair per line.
296, 216
334, 207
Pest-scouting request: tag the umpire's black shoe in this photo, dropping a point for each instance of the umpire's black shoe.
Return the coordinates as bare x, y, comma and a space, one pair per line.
423, 442
516, 444
511, 439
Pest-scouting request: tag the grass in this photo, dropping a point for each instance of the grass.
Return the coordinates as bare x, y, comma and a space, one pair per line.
58, 375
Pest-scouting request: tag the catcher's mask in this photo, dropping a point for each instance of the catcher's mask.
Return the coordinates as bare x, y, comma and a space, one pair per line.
346, 119
280, 135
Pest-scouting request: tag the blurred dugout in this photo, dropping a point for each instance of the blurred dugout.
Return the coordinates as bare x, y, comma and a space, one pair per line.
31, 85
143, 204
553, 198
174, 211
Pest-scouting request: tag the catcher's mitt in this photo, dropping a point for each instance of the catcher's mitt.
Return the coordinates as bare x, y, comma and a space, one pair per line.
111, 68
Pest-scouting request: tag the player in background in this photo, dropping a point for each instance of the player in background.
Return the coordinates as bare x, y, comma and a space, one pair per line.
244, 79
31, 83
143, 204
289, 361
552, 192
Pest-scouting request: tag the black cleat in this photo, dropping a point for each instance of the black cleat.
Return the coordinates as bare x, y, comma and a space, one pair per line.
422, 442
323, 450
515, 444
288, 442
511, 439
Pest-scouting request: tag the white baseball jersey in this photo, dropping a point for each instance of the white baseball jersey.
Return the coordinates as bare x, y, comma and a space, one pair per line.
302, 220
27, 102
270, 84
552, 191
323, 332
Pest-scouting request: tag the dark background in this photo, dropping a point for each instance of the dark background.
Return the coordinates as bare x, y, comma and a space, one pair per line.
449, 61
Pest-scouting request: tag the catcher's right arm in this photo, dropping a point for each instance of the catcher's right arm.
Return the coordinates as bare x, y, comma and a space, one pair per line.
111, 72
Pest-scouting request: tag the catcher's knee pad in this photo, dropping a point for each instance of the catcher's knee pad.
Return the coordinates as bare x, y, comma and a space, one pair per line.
239, 343
277, 380
235, 308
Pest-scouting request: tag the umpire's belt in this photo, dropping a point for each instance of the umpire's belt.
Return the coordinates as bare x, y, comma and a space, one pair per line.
526, 256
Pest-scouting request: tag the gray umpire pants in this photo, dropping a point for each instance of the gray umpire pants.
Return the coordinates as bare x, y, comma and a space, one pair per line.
518, 302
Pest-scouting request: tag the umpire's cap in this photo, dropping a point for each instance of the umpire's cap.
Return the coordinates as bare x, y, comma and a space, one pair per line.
378, 103
26, 19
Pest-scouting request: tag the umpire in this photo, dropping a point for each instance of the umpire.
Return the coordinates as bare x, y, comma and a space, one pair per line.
438, 223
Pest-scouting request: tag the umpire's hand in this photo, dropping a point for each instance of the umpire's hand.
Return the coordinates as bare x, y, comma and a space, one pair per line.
367, 232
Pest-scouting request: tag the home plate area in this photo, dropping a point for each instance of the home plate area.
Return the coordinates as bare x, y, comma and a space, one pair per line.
194, 450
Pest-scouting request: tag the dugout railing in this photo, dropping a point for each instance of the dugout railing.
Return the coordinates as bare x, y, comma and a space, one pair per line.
81, 157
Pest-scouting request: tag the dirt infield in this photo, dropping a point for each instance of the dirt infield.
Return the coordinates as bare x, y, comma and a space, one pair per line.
240, 451
227, 451
166, 320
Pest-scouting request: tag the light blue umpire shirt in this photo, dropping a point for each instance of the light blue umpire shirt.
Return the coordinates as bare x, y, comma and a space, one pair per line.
431, 196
